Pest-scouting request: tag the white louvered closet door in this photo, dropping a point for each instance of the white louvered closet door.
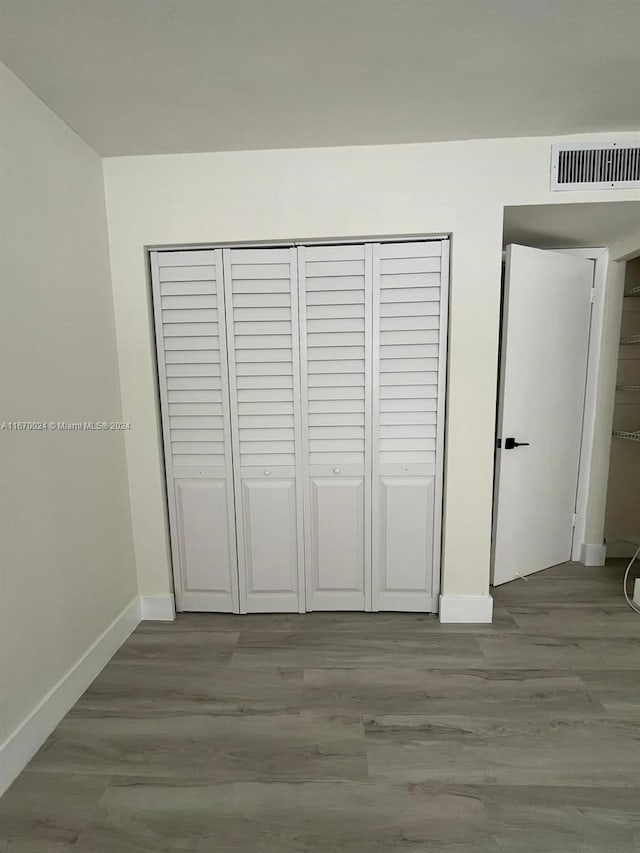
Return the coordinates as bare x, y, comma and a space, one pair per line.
191, 348
262, 327
335, 323
409, 315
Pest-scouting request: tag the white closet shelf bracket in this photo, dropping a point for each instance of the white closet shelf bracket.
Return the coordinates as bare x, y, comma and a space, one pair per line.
632, 292
630, 339
632, 388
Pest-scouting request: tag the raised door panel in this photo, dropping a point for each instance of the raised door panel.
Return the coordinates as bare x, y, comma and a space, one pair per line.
207, 556
270, 544
188, 297
337, 546
409, 357
264, 378
335, 354
406, 543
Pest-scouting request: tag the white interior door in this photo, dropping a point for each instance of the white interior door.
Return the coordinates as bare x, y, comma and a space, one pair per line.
545, 338
409, 351
335, 327
191, 347
262, 327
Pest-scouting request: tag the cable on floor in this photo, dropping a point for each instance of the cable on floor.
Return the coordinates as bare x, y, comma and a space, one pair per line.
631, 603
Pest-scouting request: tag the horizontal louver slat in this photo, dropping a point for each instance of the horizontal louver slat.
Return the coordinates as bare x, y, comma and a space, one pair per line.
268, 433
189, 301
412, 322
325, 406
257, 285
265, 408
187, 315
195, 422
261, 368
408, 266
193, 396
197, 383
273, 327
186, 288
415, 279
318, 380
203, 434
336, 324
261, 382
195, 409
189, 257
335, 311
194, 447
336, 298
192, 369
190, 273
417, 404
184, 329
408, 457
256, 395
266, 355
408, 294
335, 457
192, 357
199, 460
348, 392
251, 460
420, 308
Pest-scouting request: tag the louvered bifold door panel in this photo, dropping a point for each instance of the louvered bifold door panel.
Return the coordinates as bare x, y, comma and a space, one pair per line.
262, 328
335, 323
188, 298
410, 282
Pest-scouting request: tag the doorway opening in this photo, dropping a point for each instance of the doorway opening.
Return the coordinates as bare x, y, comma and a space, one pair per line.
563, 297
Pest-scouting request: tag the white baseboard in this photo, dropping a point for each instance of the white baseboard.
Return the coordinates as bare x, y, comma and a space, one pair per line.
593, 555
23, 743
158, 607
466, 608
621, 550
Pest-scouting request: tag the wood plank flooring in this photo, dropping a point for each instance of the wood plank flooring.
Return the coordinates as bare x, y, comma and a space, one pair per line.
355, 733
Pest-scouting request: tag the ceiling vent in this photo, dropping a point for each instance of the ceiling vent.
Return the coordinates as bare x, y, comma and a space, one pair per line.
595, 166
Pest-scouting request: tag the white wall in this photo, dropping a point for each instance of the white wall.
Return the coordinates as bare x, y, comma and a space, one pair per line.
458, 188
66, 551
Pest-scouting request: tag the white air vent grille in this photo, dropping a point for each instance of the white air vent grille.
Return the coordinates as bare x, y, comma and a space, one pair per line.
595, 166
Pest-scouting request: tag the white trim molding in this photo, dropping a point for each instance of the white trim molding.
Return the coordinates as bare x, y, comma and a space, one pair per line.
600, 258
160, 608
593, 555
23, 743
466, 608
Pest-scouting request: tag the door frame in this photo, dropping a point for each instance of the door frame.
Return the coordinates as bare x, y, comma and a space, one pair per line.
579, 548
600, 257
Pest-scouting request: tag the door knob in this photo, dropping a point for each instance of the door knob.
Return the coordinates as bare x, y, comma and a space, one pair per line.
336, 470
511, 443
267, 473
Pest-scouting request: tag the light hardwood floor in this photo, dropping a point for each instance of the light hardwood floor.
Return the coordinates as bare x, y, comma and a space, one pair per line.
355, 733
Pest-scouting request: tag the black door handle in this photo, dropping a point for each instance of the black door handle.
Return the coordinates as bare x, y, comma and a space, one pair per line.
511, 444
